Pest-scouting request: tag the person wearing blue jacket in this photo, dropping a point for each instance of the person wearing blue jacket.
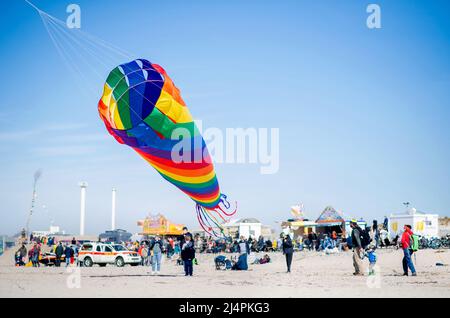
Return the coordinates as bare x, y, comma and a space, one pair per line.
68, 253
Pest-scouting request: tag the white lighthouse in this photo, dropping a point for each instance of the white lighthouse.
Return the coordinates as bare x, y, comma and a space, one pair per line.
83, 185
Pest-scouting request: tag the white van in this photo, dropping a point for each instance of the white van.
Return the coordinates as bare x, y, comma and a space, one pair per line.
102, 254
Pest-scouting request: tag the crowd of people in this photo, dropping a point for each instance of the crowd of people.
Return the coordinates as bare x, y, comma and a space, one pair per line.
57, 251
183, 248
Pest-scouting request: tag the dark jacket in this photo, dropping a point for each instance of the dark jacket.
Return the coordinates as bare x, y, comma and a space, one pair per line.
182, 240
356, 237
68, 252
288, 247
188, 251
155, 242
261, 243
59, 250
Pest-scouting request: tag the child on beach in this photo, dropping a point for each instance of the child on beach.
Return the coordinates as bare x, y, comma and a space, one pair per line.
372, 257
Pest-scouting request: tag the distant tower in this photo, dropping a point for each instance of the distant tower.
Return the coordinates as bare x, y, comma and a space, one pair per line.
113, 211
83, 185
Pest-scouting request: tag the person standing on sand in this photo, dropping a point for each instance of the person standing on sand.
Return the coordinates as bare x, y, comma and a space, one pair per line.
144, 255
288, 251
375, 233
156, 247
357, 248
315, 241
140, 252
181, 238
35, 253
59, 251
68, 253
21, 254
188, 255
407, 251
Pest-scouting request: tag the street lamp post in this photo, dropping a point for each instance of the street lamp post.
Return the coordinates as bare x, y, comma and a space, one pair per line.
113, 210
83, 185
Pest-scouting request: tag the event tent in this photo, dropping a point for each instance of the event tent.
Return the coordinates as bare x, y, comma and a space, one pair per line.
332, 220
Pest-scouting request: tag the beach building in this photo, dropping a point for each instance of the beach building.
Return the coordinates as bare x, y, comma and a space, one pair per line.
300, 225
424, 224
296, 228
52, 231
247, 227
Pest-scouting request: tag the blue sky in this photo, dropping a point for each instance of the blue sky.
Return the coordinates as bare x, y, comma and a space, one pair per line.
363, 114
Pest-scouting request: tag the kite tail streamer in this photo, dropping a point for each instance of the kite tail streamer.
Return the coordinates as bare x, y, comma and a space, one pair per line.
208, 221
226, 206
205, 218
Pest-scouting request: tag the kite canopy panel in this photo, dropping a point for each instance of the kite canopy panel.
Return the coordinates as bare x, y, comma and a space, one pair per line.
143, 109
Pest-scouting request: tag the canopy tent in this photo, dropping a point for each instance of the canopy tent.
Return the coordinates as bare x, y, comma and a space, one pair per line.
330, 217
159, 225
331, 220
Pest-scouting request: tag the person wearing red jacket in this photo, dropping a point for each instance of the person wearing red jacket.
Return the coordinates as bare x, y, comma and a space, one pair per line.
406, 246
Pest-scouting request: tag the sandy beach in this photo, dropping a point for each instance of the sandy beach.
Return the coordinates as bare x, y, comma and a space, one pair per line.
314, 275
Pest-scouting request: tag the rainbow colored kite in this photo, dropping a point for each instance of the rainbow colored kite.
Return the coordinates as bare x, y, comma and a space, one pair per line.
142, 108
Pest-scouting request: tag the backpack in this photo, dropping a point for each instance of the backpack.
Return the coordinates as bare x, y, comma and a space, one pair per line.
414, 243
365, 238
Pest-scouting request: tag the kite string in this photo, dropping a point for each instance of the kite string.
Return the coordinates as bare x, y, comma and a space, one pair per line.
70, 46
93, 39
70, 35
65, 49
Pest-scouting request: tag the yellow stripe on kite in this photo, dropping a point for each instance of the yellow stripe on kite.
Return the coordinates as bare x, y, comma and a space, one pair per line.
171, 108
111, 104
117, 119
